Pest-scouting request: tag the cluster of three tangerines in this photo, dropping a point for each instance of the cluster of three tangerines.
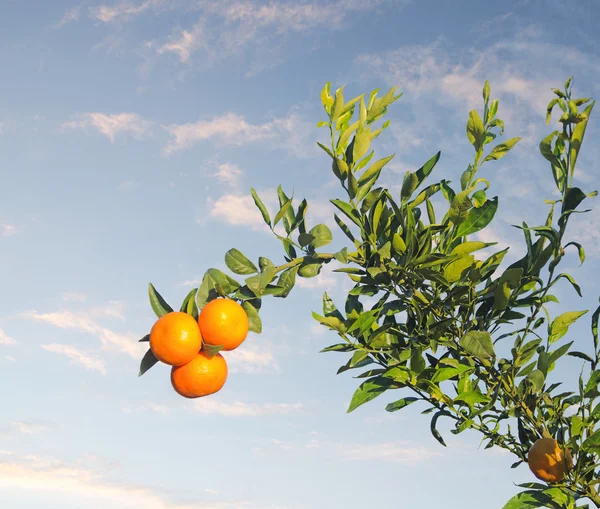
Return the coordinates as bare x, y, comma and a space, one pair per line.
179, 340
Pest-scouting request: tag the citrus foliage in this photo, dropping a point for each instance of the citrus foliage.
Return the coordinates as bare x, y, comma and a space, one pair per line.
446, 328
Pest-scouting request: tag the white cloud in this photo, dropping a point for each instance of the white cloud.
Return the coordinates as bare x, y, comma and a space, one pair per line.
83, 322
237, 210
10, 358
229, 128
241, 409
184, 43
122, 11
229, 173
8, 230
253, 359
28, 427
393, 452
76, 356
5, 339
71, 15
111, 125
57, 480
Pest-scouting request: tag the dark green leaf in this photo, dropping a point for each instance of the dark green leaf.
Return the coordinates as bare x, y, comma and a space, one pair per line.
158, 304
148, 361
368, 391
253, 317
401, 403
478, 218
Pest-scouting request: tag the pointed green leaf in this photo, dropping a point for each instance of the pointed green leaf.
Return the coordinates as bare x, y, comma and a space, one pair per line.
158, 304
479, 344
261, 206
238, 263
148, 361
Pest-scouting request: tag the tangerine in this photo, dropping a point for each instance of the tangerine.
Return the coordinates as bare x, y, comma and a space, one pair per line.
201, 376
175, 338
223, 322
548, 461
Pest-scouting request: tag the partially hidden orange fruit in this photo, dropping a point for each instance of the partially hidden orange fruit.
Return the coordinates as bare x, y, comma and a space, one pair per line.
200, 377
223, 322
175, 338
548, 461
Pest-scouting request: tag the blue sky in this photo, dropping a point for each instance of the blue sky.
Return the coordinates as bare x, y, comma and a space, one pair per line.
130, 134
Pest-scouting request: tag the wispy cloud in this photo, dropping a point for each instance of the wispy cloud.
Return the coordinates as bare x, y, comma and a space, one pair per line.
5, 339
87, 479
229, 129
147, 406
184, 43
229, 174
6, 230
241, 409
28, 427
84, 321
76, 356
252, 359
124, 10
111, 125
71, 15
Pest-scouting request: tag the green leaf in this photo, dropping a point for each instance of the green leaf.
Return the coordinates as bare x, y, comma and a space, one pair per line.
409, 184
211, 350
368, 391
348, 211
434, 431
499, 151
148, 361
454, 270
189, 297
304, 239
592, 443
322, 236
282, 211
470, 247
238, 264
595, 318
479, 344
287, 280
478, 218
459, 209
374, 169
475, 130
158, 304
423, 172
261, 206
401, 403
255, 323
362, 142
310, 268
471, 398
226, 284
577, 137
144, 339
528, 500
257, 284
580, 250
561, 324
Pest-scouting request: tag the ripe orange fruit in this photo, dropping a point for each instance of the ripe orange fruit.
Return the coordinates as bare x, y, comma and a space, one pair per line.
175, 338
548, 461
223, 322
200, 377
